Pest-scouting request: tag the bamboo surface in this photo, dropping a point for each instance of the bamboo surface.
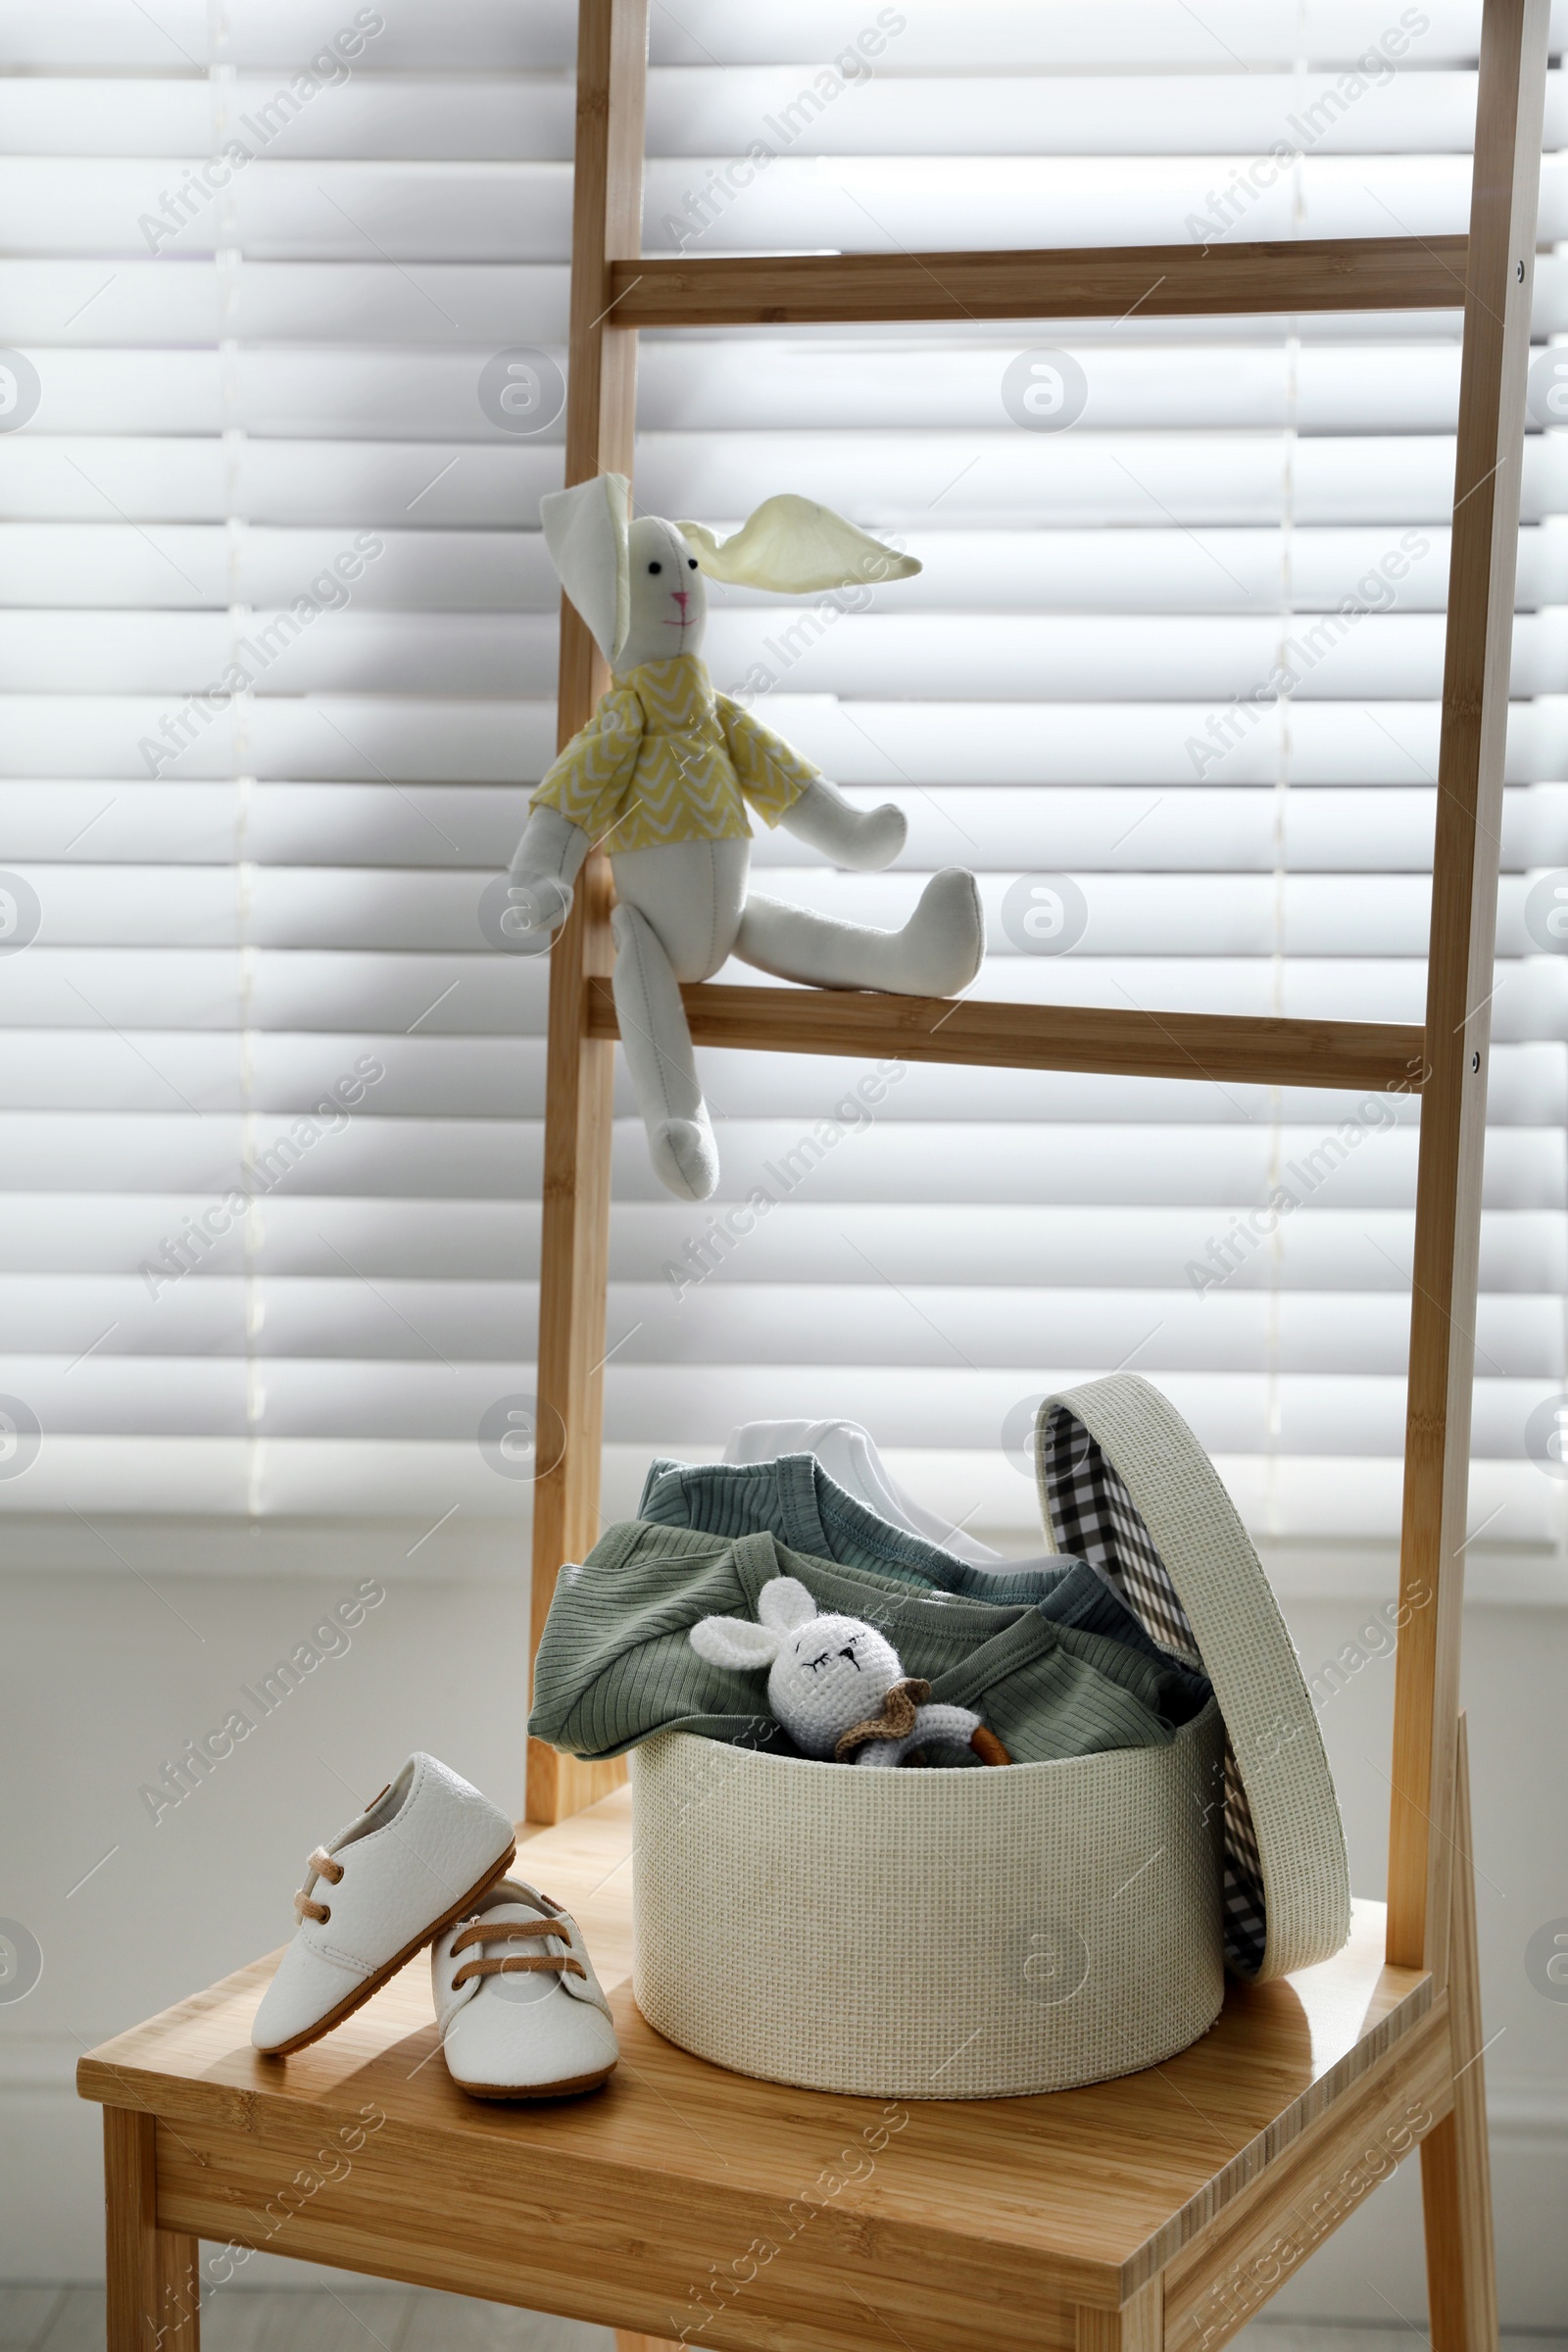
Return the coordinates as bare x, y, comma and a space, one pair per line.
965, 2224
574, 1227
1127, 1042
1460, 979
1138, 2327
1094, 281
153, 2301
1456, 2170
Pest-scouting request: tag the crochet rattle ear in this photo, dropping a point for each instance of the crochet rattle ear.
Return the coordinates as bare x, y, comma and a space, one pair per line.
793, 547
784, 1603
585, 530
734, 1642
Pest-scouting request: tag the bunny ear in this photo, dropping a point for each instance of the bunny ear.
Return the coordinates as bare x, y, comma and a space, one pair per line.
784, 1602
794, 546
585, 530
734, 1642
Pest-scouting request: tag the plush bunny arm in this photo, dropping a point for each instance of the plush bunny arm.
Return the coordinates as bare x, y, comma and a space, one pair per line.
935, 1726
770, 772
947, 1726
884, 1753
544, 866
864, 840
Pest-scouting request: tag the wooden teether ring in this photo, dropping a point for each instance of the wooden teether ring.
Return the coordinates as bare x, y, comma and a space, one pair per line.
988, 1747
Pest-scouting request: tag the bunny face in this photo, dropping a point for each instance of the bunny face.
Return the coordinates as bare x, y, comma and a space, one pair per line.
825, 1673
834, 1672
667, 600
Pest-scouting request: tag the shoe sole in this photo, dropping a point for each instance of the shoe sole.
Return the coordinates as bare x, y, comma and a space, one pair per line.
383, 1976
534, 2091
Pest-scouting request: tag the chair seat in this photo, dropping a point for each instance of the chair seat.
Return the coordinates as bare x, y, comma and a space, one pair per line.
682, 2196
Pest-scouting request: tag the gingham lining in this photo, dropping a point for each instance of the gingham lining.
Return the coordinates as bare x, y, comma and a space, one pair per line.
1093, 1516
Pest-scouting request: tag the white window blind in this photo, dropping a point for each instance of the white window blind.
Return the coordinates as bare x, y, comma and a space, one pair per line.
279, 654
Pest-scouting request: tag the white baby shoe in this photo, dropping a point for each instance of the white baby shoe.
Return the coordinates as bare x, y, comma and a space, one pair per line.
520, 2008
415, 1861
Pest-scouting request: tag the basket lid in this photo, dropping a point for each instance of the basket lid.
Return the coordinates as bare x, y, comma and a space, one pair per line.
1126, 1485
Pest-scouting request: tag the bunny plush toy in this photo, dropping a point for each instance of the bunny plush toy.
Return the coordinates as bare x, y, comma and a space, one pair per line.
662, 775
835, 1682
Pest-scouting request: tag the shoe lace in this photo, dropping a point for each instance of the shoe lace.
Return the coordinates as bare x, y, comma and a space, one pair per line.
508, 1964
323, 1867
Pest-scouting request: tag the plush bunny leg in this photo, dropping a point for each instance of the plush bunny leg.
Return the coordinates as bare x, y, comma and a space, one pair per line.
692, 893
658, 1054
937, 953
544, 866
679, 905
863, 840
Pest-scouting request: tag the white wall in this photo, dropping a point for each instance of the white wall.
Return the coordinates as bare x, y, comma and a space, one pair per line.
104, 1675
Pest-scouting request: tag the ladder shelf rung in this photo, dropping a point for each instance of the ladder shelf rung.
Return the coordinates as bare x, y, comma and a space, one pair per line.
1249, 1051
1094, 281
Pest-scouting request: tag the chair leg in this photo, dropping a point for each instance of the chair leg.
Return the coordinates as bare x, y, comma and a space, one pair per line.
1455, 2164
1139, 2325
626, 2342
153, 2290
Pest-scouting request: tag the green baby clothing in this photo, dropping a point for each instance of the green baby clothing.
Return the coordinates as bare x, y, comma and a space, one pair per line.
615, 1664
795, 1498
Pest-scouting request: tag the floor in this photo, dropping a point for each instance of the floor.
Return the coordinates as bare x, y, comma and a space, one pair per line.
277, 2319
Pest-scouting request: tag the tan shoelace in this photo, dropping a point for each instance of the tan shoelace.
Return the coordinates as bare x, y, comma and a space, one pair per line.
513, 1963
325, 1868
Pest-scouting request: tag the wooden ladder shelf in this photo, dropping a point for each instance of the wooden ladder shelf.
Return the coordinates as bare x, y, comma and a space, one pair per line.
1154, 2214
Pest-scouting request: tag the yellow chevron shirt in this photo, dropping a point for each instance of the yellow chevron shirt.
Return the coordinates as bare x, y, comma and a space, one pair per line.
666, 759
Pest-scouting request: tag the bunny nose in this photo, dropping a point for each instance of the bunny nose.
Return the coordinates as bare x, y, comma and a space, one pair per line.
682, 598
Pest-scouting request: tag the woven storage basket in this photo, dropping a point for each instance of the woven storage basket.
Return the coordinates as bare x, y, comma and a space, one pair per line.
981, 1933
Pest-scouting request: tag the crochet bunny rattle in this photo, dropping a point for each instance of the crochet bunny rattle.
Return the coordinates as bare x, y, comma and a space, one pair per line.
660, 777
836, 1684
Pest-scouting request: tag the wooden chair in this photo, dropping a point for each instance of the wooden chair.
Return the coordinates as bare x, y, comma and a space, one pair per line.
1159, 2211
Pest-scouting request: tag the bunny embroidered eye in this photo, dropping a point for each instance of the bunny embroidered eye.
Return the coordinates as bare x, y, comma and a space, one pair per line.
656, 567
691, 562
